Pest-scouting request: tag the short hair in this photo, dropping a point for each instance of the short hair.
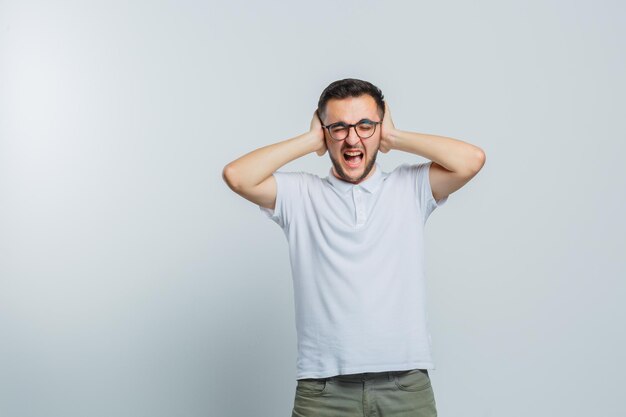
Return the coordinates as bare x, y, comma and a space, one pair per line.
350, 87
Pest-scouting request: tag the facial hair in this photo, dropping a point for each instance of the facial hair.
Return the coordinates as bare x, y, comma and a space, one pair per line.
342, 174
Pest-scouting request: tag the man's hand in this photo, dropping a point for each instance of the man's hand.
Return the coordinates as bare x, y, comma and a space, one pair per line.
318, 131
387, 129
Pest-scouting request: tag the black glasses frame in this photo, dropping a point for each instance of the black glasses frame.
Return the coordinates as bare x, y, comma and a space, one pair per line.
352, 126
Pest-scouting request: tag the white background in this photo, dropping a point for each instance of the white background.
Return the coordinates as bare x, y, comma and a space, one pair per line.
133, 282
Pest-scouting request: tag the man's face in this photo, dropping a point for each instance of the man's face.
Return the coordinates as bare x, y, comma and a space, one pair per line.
351, 110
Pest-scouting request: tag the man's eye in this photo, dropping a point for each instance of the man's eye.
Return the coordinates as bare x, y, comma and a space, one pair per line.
337, 128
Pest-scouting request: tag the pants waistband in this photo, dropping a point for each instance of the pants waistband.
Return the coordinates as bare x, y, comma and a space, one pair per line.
368, 376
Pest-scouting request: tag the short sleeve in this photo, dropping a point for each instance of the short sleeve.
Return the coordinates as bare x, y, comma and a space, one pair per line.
424, 193
289, 192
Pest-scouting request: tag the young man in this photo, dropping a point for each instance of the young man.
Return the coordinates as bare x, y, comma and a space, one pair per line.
356, 248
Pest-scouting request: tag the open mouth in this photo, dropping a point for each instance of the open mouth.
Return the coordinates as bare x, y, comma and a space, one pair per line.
353, 158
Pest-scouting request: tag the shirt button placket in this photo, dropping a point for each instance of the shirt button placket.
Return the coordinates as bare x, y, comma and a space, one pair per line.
360, 211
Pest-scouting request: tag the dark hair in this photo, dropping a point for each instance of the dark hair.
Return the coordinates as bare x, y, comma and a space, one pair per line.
350, 87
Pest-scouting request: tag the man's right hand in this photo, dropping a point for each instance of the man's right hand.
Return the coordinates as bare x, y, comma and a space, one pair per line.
318, 131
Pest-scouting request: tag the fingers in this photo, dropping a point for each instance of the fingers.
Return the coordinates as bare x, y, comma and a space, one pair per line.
315, 121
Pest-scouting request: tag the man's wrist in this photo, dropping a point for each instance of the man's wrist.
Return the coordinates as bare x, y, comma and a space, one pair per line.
311, 141
390, 138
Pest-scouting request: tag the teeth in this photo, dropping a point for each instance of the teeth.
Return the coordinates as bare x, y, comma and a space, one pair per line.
353, 153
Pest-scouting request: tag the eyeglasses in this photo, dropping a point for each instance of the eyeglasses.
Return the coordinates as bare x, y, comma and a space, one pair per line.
364, 129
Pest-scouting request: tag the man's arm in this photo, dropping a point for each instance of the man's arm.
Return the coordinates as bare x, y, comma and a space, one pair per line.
454, 162
251, 177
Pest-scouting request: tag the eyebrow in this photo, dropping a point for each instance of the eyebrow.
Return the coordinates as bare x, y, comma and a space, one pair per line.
345, 123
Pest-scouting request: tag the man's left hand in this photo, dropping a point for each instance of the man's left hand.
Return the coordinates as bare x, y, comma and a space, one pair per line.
386, 130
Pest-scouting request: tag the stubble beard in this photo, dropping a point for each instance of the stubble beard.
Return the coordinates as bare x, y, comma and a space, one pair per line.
342, 174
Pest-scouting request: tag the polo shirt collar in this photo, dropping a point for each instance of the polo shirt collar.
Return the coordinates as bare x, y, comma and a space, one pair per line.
369, 185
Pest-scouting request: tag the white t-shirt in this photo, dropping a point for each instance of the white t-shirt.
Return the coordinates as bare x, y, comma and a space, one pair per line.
357, 262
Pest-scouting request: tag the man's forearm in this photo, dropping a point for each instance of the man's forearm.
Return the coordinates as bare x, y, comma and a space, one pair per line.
452, 154
256, 166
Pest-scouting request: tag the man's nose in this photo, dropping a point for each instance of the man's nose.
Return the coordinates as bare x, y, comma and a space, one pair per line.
352, 138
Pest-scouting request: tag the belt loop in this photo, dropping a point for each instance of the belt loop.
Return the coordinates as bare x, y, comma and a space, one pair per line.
390, 375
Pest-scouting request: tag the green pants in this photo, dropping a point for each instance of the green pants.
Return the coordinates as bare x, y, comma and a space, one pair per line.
380, 394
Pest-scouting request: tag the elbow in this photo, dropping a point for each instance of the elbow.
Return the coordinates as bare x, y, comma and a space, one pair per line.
473, 163
229, 175
478, 160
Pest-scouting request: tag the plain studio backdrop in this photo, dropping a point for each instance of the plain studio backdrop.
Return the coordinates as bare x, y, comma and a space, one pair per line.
133, 282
